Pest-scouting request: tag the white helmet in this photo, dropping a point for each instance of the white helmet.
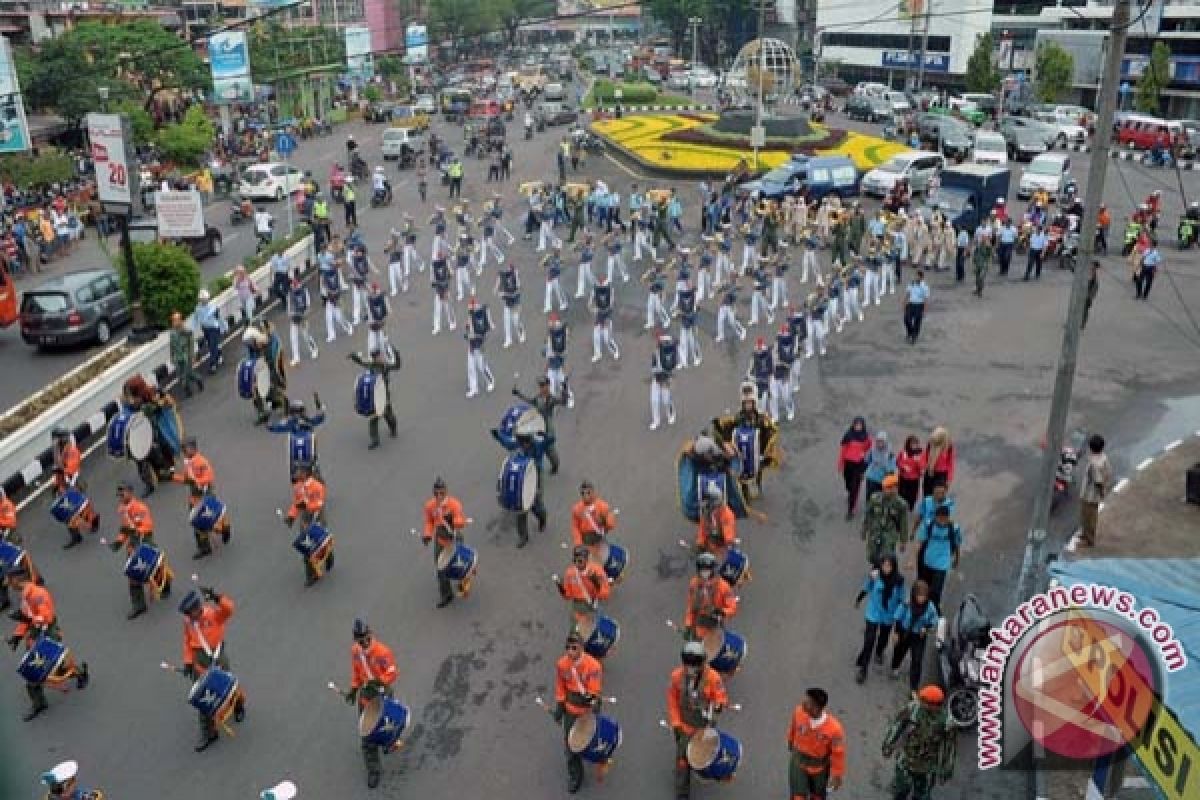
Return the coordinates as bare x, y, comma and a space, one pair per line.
379, 169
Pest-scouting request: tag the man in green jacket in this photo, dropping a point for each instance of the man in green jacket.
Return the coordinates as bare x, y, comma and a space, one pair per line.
183, 348
924, 741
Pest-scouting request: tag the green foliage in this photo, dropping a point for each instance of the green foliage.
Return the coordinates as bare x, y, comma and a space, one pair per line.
390, 67
168, 277
457, 20
982, 74
631, 93
1154, 79
1055, 68
25, 171
276, 50
510, 13
186, 143
130, 59
721, 18
220, 284
373, 93
140, 121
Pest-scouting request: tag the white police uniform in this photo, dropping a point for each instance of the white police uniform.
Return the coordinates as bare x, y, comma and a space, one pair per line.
662, 364
601, 304
508, 286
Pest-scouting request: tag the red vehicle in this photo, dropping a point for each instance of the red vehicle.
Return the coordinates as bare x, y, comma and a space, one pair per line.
8, 298
1142, 132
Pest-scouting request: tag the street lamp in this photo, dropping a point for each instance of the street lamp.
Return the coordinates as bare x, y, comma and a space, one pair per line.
695, 22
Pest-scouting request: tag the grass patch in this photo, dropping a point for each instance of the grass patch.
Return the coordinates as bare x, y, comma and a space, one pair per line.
39, 403
636, 93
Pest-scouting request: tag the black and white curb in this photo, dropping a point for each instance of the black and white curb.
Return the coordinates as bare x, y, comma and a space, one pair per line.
1078, 148
633, 109
1137, 155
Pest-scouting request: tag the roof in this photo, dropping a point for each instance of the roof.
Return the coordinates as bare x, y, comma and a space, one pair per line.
69, 280
1172, 587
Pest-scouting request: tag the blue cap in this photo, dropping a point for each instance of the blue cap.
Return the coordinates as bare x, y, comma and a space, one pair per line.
190, 602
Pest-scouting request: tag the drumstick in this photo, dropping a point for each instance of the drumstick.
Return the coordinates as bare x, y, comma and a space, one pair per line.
542, 704
735, 707
683, 543
671, 624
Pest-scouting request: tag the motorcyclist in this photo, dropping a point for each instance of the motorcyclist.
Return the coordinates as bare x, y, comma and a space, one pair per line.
380, 186
263, 223
246, 208
528, 125
1154, 204
1000, 210
337, 181
351, 146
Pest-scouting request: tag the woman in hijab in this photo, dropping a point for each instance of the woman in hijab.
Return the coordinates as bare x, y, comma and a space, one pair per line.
937, 462
852, 461
915, 619
881, 462
885, 589
908, 468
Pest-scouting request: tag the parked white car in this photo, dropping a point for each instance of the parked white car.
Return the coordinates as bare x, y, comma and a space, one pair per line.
703, 78
990, 148
269, 181
1049, 171
1067, 131
425, 104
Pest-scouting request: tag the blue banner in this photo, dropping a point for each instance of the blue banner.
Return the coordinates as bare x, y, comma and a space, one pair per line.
902, 59
228, 54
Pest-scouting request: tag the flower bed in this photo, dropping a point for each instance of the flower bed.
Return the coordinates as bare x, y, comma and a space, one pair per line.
684, 143
29, 410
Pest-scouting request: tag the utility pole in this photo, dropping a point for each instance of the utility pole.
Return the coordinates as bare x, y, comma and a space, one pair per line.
758, 135
1065, 377
924, 44
695, 23
909, 83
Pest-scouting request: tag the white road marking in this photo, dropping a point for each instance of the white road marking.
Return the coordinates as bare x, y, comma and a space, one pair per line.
1172, 445
1121, 484
1145, 464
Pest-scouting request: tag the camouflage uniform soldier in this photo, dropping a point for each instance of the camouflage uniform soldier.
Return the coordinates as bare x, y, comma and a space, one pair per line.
885, 523
927, 742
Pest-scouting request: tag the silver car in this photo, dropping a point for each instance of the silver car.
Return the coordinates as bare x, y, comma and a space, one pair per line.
81, 306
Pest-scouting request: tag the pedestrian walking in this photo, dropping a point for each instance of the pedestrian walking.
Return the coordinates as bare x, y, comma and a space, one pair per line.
183, 350
372, 673
924, 740
885, 521
578, 688
981, 260
208, 316
962, 244
380, 366
1037, 248
915, 298
1143, 277
350, 204
881, 462
852, 461
1097, 477
817, 743
545, 402
695, 696
908, 469
937, 461
884, 592
444, 524
915, 618
1006, 240
939, 542
206, 613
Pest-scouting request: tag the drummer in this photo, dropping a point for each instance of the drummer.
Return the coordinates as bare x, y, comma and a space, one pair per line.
36, 618
544, 402
136, 527
8, 535
205, 613
444, 523
308, 505
372, 673
262, 342
62, 783
380, 366
710, 600
584, 586
67, 462
302, 437
138, 396
197, 472
716, 532
591, 520
695, 696
578, 683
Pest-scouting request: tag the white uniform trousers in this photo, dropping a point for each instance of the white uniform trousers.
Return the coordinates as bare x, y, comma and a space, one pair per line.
689, 348
397, 275
794, 376
512, 322
558, 379
833, 319
641, 241
749, 254
477, 366
586, 279
679, 286
546, 236
411, 259
442, 307
704, 284
779, 294
655, 310
358, 295
602, 337
462, 280
809, 261
758, 303
618, 261
554, 290
485, 247
727, 316
299, 329
660, 399
724, 268
378, 340
817, 332
872, 288
887, 279
853, 308
781, 393
334, 319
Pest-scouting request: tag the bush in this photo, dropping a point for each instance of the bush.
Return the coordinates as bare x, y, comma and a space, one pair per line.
186, 143
631, 93
373, 93
168, 277
26, 171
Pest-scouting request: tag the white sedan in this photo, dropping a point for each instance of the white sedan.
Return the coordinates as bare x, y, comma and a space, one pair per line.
703, 78
269, 181
990, 148
1067, 132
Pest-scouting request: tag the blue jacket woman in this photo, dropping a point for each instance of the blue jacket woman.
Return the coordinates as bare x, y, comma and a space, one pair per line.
884, 591
914, 619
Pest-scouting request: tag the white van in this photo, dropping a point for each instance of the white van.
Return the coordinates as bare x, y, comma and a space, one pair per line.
898, 101
918, 166
869, 89
395, 139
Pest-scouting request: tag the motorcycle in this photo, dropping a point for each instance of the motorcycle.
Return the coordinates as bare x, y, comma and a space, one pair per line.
358, 167
1185, 232
382, 197
1158, 157
1069, 256
1131, 236
337, 191
960, 660
1064, 473
265, 239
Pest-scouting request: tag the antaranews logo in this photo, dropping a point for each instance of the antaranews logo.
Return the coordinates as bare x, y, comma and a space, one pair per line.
1080, 672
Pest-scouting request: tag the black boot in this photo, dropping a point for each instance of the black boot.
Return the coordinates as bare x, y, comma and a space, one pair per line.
166, 589
203, 547
239, 709
37, 700
83, 677
205, 741
227, 534
522, 530
76, 539
574, 773
541, 518
310, 574
137, 597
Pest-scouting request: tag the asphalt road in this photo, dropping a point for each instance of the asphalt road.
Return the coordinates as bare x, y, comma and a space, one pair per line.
983, 368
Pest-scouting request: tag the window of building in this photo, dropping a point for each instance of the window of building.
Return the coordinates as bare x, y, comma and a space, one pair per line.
884, 41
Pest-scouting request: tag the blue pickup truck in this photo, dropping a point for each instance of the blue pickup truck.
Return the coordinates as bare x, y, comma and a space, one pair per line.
813, 176
968, 191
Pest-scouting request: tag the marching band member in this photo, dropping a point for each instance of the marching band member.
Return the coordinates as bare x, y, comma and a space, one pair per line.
372, 673
552, 263
704, 274
508, 286
872, 277
797, 322
479, 324
591, 519
758, 298
136, 527
205, 613
688, 346
439, 277
818, 310
833, 292
761, 370
462, 217
545, 401
601, 305
534, 448
139, 397
198, 474
395, 268
556, 359
727, 311
411, 257
724, 239
444, 524
656, 312
809, 259
332, 286
662, 364
462, 266
62, 783
716, 531
383, 367
584, 585
895, 244
8, 535
578, 684
683, 276
487, 243
817, 743
710, 599
67, 462
36, 617
779, 293
750, 237
298, 302
586, 275
376, 316
496, 211
546, 229
695, 696
641, 236
261, 342
438, 244
853, 277
302, 438
360, 272
613, 244
785, 366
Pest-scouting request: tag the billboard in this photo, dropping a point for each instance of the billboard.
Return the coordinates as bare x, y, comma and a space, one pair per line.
416, 44
116, 177
180, 214
14, 129
358, 51
229, 60
574, 7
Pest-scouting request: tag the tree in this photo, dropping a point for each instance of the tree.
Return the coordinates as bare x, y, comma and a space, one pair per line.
186, 142
458, 20
133, 60
1154, 79
276, 50
140, 120
50, 166
982, 74
674, 14
1055, 70
168, 277
510, 14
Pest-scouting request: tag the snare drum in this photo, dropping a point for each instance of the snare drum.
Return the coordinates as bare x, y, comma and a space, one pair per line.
725, 651
517, 486
214, 693
41, 661
519, 420
736, 567
208, 514
309, 541
253, 378
714, 754
11, 555
594, 738
383, 721
457, 563
614, 558
599, 633
370, 395
143, 563
69, 505
302, 448
130, 435
746, 442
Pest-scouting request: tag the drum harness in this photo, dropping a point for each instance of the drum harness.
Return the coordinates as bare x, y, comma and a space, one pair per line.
209, 652
596, 529
581, 695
